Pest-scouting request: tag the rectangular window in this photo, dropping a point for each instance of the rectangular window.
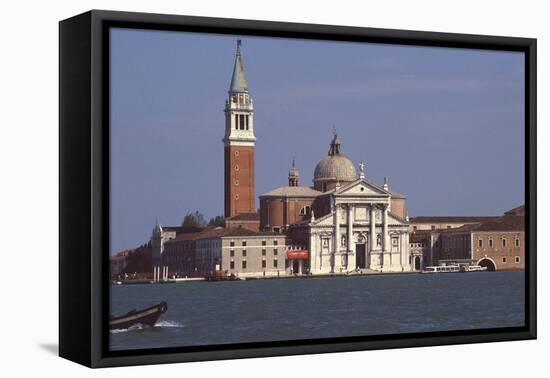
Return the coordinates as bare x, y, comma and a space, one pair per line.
244, 252
263, 264
232, 265
275, 263
517, 242
263, 242
244, 264
504, 260
490, 243
275, 252
517, 259
263, 252
232, 253
232, 244
236, 122
241, 120
246, 122
275, 242
244, 244
480, 243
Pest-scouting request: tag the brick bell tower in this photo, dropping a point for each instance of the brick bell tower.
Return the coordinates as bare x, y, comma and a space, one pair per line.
239, 144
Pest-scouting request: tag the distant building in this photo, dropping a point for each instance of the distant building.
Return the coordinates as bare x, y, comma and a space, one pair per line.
118, 263
159, 237
495, 242
179, 256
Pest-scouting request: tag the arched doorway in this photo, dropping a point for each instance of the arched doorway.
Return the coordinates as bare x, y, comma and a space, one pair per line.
417, 263
488, 263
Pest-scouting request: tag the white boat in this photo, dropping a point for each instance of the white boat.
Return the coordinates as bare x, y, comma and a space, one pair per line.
442, 269
186, 279
475, 268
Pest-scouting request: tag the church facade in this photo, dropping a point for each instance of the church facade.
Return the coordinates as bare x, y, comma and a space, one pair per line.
354, 225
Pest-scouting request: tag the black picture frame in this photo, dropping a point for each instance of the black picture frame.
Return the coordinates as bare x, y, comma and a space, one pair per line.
84, 187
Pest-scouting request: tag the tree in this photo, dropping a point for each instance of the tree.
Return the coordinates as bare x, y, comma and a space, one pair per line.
194, 219
217, 221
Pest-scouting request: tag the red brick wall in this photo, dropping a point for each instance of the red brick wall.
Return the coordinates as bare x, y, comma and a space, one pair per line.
239, 183
398, 207
278, 212
498, 253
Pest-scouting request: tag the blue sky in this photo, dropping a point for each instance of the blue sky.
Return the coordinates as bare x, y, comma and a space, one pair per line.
444, 125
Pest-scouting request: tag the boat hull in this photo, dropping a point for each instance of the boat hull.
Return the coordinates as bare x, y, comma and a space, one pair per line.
146, 317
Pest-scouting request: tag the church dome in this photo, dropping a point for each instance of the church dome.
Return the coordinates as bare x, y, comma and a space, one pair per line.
335, 167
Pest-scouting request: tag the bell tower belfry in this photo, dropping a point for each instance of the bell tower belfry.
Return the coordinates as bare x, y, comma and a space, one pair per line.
239, 144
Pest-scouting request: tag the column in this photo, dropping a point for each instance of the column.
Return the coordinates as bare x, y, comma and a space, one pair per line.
300, 266
386, 250
385, 242
351, 244
336, 236
372, 218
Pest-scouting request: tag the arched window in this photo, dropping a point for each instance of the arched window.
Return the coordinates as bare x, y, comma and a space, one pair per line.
306, 210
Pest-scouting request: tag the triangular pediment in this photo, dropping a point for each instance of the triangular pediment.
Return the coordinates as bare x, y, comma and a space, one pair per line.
394, 220
325, 220
363, 188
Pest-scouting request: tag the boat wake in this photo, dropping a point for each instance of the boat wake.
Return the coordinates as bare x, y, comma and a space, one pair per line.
161, 324
168, 324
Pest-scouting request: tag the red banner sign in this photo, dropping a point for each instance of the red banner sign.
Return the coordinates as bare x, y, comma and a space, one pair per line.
302, 254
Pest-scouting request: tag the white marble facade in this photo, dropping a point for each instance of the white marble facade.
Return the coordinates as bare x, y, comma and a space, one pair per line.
359, 234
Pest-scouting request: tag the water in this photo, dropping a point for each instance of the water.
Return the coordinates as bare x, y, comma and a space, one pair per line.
206, 313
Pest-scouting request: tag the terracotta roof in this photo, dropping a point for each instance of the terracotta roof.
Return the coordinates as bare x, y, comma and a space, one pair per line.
182, 229
520, 210
244, 217
219, 232
241, 231
293, 191
505, 223
452, 219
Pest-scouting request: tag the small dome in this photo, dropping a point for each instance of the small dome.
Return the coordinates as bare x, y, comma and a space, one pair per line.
335, 167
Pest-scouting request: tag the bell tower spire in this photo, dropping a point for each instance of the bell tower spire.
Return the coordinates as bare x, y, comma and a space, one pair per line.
239, 144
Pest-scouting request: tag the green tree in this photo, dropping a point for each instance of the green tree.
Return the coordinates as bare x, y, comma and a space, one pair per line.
194, 219
217, 221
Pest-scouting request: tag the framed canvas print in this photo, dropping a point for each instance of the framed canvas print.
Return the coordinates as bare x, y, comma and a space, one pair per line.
235, 188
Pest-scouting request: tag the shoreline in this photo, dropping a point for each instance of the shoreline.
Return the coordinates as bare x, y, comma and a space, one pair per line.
286, 277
